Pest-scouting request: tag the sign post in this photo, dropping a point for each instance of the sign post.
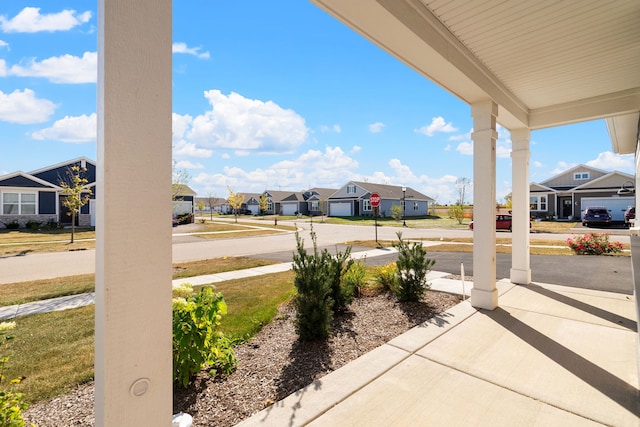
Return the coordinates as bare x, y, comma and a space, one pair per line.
374, 200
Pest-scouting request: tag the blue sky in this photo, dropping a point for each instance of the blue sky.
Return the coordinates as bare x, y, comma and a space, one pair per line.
266, 95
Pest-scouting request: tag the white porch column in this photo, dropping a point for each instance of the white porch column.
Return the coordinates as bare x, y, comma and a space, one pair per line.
520, 265
484, 293
133, 360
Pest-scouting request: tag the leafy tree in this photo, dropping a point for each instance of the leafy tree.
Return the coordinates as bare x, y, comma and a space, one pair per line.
263, 203
235, 200
508, 201
457, 211
77, 195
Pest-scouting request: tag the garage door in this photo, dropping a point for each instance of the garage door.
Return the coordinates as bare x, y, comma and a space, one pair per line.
615, 205
340, 209
288, 208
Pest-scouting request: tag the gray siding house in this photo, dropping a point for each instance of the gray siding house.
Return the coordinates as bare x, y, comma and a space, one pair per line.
566, 195
353, 200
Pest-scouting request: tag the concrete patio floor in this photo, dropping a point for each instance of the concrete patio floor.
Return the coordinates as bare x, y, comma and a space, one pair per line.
548, 356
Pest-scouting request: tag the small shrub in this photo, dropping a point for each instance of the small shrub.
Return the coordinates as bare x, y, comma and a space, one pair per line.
396, 212
593, 244
313, 302
413, 266
337, 266
13, 225
33, 225
11, 403
386, 276
354, 278
197, 340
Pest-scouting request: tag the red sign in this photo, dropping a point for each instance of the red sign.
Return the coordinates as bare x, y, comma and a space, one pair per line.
374, 199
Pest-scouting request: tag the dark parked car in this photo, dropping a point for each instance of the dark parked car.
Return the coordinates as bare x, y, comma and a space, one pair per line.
503, 222
629, 215
596, 215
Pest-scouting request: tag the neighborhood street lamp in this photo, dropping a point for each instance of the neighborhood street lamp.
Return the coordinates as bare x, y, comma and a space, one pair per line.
404, 206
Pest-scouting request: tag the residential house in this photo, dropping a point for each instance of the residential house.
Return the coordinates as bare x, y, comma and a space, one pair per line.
568, 194
353, 200
183, 203
37, 196
317, 200
284, 202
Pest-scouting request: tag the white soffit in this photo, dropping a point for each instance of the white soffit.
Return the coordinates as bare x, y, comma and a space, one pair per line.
546, 62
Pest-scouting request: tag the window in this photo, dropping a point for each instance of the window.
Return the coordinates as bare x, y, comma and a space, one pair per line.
538, 203
18, 203
416, 206
351, 189
581, 176
315, 205
366, 205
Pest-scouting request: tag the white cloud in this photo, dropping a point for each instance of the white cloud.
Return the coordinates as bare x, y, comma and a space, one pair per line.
610, 161
195, 51
561, 167
76, 129
355, 149
186, 164
465, 148
537, 164
4, 44
334, 128
179, 125
183, 148
247, 125
61, 69
376, 127
447, 147
437, 124
331, 169
29, 20
24, 107
225, 156
3, 68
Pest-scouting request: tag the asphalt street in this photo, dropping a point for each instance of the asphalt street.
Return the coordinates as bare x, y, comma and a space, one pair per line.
608, 273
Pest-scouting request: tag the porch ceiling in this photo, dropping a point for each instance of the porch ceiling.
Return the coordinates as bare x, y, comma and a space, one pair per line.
546, 63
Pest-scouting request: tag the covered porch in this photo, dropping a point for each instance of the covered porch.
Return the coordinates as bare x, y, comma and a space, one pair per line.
523, 65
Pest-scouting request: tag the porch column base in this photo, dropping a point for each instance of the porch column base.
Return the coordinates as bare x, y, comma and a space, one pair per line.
520, 277
484, 298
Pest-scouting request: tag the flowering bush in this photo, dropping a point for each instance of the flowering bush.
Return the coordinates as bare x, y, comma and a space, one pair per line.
11, 403
593, 244
197, 341
385, 276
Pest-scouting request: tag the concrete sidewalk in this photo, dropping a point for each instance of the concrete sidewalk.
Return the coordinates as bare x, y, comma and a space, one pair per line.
549, 356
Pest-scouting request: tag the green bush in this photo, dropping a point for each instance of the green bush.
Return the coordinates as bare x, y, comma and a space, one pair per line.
337, 267
354, 278
13, 225
413, 266
33, 225
11, 403
197, 340
386, 276
313, 301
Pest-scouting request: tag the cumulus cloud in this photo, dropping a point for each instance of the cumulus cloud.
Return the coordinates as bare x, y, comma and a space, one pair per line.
355, 149
24, 107
331, 168
376, 127
186, 164
29, 20
537, 164
610, 161
438, 124
247, 125
195, 51
3, 68
465, 148
183, 148
4, 44
61, 69
75, 129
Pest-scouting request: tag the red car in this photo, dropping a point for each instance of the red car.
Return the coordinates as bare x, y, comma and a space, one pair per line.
503, 222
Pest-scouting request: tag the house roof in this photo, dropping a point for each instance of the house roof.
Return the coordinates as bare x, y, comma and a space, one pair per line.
183, 190
65, 163
321, 193
391, 192
15, 176
546, 63
278, 196
534, 186
607, 181
580, 167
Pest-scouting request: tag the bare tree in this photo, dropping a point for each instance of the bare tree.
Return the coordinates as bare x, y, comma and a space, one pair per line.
210, 201
462, 185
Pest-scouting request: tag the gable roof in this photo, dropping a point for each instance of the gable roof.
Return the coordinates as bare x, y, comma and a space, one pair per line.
65, 163
317, 193
278, 196
534, 186
607, 181
392, 191
21, 179
570, 171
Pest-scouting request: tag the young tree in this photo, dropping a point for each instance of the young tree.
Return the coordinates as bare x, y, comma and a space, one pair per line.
508, 201
76, 194
211, 200
235, 200
462, 185
263, 203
